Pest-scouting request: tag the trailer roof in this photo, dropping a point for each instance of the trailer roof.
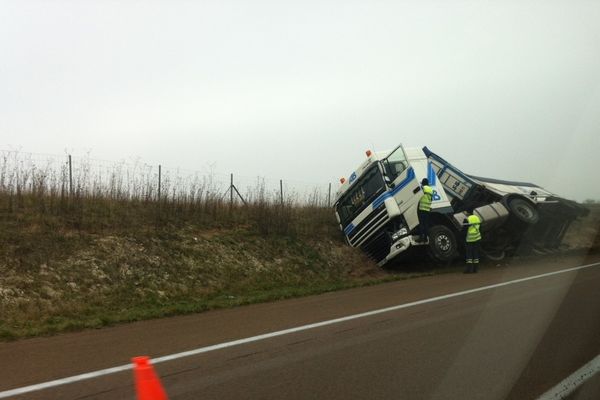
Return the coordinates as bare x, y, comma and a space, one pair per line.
502, 182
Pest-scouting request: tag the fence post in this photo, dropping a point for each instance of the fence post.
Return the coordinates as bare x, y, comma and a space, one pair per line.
159, 179
231, 192
70, 177
329, 196
281, 191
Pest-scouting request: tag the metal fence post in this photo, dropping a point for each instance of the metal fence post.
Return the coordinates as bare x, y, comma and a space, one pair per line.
329, 196
231, 192
70, 176
159, 179
281, 191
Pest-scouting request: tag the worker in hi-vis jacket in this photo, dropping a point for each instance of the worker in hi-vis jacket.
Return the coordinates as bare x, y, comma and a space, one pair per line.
424, 210
473, 224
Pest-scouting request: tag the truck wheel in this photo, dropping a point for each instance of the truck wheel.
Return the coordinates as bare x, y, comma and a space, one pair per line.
442, 243
523, 210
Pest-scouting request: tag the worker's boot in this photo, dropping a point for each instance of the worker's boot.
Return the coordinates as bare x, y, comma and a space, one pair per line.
469, 268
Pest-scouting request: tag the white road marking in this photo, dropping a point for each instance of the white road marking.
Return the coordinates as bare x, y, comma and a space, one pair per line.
121, 368
573, 381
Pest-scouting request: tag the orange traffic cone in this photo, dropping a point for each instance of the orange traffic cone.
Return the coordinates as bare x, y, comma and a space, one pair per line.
147, 384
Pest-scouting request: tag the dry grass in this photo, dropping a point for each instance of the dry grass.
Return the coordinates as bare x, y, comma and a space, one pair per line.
95, 197
584, 232
111, 250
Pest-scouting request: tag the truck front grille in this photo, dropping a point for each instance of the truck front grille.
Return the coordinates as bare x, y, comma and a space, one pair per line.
377, 246
377, 219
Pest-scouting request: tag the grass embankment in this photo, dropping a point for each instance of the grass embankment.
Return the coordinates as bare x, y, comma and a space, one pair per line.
584, 233
86, 262
89, 263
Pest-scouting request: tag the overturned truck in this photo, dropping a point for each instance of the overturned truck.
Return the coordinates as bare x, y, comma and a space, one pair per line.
376, 209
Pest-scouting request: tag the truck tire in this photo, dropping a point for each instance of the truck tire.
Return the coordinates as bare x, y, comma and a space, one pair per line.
523, 210
442, 243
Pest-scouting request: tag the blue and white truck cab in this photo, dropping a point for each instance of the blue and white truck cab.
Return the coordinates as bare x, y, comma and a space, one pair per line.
376, 207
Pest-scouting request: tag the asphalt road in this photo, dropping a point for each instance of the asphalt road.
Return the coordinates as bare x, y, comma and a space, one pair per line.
515, 342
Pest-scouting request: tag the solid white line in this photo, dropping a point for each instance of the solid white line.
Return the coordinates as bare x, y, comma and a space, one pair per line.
573, 381
120, 368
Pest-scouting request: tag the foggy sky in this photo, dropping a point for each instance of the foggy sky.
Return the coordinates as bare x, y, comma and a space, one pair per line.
299, 90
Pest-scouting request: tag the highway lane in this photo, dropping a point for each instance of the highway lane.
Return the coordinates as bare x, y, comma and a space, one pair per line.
515, 342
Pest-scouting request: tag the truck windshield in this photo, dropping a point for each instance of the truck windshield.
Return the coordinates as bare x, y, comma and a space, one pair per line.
395, 163
360, 195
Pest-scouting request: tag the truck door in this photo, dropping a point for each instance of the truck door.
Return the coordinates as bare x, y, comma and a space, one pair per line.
401, 180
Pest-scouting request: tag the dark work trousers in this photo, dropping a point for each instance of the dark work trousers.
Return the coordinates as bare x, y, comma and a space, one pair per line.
424, 220
472, 250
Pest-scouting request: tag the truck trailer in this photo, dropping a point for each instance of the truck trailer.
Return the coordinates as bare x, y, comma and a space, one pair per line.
376, 208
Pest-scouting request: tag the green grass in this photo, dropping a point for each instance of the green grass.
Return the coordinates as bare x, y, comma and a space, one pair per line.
97, 315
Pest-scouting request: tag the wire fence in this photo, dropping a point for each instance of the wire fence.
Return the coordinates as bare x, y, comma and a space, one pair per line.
82, 176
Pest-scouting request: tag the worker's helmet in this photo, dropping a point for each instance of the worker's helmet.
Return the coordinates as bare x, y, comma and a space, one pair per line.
424, 182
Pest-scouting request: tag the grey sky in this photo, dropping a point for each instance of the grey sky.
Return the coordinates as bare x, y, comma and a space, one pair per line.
299, 90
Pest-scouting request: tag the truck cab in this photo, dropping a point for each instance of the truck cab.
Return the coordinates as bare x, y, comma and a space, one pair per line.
377, 206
